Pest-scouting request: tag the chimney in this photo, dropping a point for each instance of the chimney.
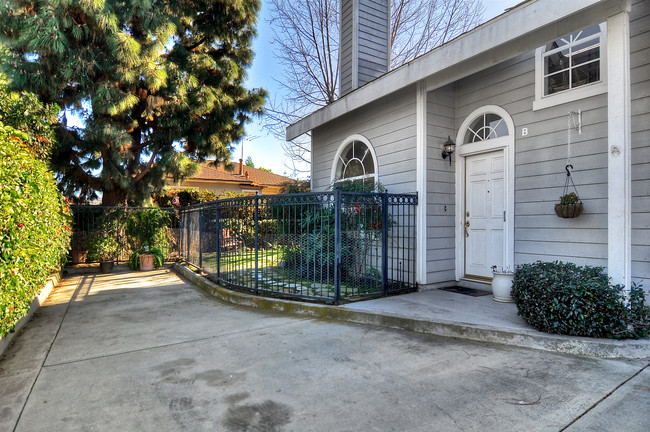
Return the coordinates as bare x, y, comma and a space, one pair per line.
364, 42
241, 167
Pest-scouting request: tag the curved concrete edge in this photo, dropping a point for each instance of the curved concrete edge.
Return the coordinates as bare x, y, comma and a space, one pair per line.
605, 348
52, 282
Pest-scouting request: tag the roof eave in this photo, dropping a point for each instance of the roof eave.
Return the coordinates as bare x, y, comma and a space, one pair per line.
521, 29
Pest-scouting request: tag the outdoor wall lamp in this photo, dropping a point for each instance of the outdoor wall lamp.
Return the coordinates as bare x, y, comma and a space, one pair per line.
448, 148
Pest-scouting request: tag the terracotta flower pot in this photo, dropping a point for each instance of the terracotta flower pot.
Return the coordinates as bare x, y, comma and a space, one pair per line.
146, 261
79, 257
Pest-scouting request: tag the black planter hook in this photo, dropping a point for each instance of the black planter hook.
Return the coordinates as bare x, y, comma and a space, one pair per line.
568, 173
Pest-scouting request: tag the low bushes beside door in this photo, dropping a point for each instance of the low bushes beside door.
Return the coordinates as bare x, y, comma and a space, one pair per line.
564, 298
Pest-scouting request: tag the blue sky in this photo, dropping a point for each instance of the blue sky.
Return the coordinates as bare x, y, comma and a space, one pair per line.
262, 147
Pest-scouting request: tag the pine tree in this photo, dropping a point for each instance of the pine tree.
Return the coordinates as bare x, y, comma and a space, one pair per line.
154, 81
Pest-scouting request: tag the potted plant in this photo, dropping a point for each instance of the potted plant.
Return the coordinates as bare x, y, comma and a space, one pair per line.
146, 259
147, 230
103, 244
502, 284
570, 206
103, 247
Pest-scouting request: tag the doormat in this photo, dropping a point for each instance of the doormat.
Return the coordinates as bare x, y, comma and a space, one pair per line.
467, 291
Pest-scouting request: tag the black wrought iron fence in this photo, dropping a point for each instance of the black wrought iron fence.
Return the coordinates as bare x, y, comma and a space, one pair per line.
88, 219
332, 246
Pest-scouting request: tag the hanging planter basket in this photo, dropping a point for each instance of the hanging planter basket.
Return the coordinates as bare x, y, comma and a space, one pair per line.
569, 210
570, 205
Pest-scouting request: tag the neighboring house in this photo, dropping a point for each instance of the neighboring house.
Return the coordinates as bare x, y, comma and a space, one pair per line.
243, 179
506, 93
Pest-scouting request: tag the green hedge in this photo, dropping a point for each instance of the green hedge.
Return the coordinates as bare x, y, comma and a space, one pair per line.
24, 112
564, 298
34, 227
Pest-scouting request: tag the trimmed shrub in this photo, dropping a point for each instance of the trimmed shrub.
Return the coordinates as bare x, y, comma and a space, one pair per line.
35, 120
564, 298
103, 245
186, 197
34, 227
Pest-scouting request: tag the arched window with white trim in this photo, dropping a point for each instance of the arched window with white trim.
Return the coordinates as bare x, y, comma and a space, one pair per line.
484, 127
355, 161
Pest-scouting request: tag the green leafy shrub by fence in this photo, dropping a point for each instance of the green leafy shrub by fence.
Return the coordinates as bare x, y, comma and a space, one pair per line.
148, 231
564, 298
34, 227
186, 197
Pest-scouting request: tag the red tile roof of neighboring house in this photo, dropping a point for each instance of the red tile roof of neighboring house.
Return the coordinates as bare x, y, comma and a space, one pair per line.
256, 177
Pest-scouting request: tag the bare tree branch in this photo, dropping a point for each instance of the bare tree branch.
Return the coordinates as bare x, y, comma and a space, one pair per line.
306, 39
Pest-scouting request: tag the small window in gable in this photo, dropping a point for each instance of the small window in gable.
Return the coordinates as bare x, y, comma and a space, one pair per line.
571, 67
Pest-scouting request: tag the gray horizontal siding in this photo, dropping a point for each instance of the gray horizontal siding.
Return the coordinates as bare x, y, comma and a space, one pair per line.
540, 158
346, 46
441, 251
389, 125
364, 39
640, 81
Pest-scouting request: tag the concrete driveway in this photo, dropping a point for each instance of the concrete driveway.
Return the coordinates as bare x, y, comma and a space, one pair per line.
149, 352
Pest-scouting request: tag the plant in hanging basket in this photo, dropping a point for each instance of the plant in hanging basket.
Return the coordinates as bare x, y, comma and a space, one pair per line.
570, 206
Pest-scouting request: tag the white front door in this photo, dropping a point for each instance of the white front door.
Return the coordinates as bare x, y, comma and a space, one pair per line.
484, 214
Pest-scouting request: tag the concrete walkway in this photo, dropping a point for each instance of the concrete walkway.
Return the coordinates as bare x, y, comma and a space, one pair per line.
440, 313
150, 352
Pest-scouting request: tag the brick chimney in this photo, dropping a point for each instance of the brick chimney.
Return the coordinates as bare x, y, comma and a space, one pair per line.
364, 51
241, 167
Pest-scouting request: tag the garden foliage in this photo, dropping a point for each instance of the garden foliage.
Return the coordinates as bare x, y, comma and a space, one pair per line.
148, 231
564, 298
186, 197
103, 245
312, 254
158, 85
24, 112
34, 227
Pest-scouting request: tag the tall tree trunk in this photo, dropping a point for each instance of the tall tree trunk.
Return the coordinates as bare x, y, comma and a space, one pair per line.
114, 197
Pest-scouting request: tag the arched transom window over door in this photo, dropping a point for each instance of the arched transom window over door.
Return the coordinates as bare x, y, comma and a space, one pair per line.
355, 161
484, 127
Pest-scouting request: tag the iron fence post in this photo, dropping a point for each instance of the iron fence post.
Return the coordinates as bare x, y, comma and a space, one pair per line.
187, 233
181, 239
218, 227
384, 243
200, 210
257, 241
337, 247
